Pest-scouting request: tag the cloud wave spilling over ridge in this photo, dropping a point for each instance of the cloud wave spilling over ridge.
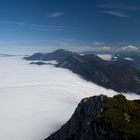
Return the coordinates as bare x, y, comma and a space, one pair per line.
37, 100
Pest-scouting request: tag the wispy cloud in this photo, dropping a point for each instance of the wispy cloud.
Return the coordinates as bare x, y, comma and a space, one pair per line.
98, 49
106, 48
129, 48
38, 27
35, 26
97, 43
64, 43
55, 14
19, 23
115, 13
118, 10
12, 22
119, 6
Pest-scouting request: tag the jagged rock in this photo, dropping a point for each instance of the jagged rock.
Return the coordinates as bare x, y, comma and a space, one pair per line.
94, 119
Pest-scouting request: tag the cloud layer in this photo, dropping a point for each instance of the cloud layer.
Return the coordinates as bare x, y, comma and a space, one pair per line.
129, 48
33, 98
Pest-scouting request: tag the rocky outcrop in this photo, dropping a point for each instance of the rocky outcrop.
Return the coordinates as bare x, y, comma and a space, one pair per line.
80, 125
94, 119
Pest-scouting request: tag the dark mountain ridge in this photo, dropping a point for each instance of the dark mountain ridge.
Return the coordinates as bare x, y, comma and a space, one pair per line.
57, 55
113, 75
102, 118
121, 75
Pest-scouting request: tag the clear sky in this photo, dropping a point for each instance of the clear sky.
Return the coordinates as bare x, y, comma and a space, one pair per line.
40, 25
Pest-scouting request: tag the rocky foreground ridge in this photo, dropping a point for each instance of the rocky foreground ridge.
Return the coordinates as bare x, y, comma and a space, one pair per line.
102, 118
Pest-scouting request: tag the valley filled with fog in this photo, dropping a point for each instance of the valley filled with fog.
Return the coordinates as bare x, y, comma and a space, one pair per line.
37, 100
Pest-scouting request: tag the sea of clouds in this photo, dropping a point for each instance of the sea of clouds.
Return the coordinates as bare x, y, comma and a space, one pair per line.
37, 100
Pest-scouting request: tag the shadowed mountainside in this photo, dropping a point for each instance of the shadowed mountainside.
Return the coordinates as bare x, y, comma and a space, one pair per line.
102, 118
120, 74
57, 55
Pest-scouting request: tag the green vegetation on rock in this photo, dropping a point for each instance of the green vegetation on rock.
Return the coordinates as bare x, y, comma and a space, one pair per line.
123, 116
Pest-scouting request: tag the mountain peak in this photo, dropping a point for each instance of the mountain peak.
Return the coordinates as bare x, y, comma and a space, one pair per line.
102, 118
61, 50
57, 55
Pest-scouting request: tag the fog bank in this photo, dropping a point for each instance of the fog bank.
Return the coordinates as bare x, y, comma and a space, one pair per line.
37, 100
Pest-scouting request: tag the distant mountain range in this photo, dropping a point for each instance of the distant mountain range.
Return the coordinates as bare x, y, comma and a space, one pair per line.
102, 118
6, 55
121, 74
38, 63
57, 55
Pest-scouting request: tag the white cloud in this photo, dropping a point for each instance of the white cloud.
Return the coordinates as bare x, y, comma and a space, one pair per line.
129, 48
33, 98
93, 48
119, 6
117, 9
64, 43
106, 48
98, 43
115, 13
35, 26
55, 14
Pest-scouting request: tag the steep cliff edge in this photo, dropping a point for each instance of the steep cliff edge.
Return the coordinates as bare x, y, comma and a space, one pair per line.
102, 118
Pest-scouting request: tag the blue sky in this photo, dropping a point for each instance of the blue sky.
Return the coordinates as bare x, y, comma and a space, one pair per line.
40, 25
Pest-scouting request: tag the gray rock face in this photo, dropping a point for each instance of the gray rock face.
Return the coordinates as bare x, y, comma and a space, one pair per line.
87, 123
